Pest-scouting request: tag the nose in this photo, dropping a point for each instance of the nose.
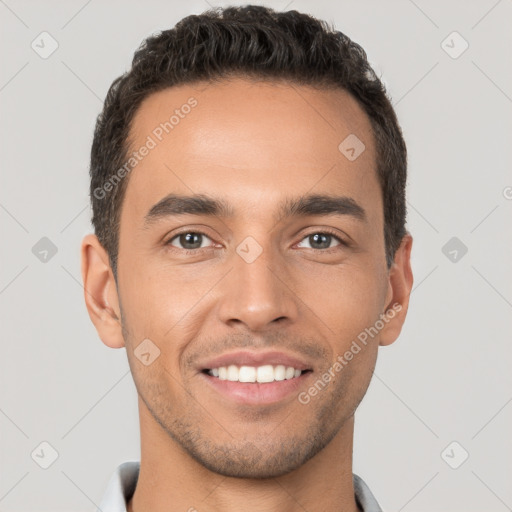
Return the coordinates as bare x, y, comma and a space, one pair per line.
258, 294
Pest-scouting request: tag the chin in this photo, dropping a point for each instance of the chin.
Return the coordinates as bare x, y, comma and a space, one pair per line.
249, 460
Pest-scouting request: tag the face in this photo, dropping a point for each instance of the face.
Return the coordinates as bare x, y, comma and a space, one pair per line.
251, 255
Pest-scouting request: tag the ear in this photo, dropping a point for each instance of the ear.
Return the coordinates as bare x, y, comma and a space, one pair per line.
100, 292
400, 281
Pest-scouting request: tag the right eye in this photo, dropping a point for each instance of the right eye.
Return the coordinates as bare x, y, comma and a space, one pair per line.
188, 240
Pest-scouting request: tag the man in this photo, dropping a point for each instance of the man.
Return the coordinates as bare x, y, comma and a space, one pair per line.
248, 191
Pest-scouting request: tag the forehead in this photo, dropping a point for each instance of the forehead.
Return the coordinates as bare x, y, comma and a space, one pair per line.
249, 141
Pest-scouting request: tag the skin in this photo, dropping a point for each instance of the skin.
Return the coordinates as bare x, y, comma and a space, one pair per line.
252, 144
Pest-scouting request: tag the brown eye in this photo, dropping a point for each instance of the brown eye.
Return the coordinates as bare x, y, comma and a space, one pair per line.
188, 241
321, 240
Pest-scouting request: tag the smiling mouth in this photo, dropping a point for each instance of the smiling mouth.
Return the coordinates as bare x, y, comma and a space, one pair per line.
255, 374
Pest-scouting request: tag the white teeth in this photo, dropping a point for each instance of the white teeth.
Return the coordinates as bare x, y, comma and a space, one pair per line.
265, 373
247, 374
261, 374
289, 373
233, 373
279, 372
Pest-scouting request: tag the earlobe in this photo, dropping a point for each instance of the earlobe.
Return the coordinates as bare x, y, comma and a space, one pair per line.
100, 292
399, 290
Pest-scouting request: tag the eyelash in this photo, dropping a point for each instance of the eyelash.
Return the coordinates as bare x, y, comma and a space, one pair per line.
325, 231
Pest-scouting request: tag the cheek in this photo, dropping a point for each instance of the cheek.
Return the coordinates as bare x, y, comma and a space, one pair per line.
164, 305
158, 389
347, 298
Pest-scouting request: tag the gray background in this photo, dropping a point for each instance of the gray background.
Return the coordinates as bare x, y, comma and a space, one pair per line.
446, 379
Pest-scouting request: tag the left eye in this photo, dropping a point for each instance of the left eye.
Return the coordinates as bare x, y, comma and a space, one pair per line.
321, 240
190, 240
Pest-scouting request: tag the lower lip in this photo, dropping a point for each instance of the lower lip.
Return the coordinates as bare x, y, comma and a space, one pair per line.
255, 393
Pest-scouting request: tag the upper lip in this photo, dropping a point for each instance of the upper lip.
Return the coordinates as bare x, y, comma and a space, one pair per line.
247, 358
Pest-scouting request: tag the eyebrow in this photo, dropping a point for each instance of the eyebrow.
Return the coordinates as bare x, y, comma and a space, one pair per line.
203, 205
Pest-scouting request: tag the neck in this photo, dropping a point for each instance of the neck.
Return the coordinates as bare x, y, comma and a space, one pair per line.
170, 480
